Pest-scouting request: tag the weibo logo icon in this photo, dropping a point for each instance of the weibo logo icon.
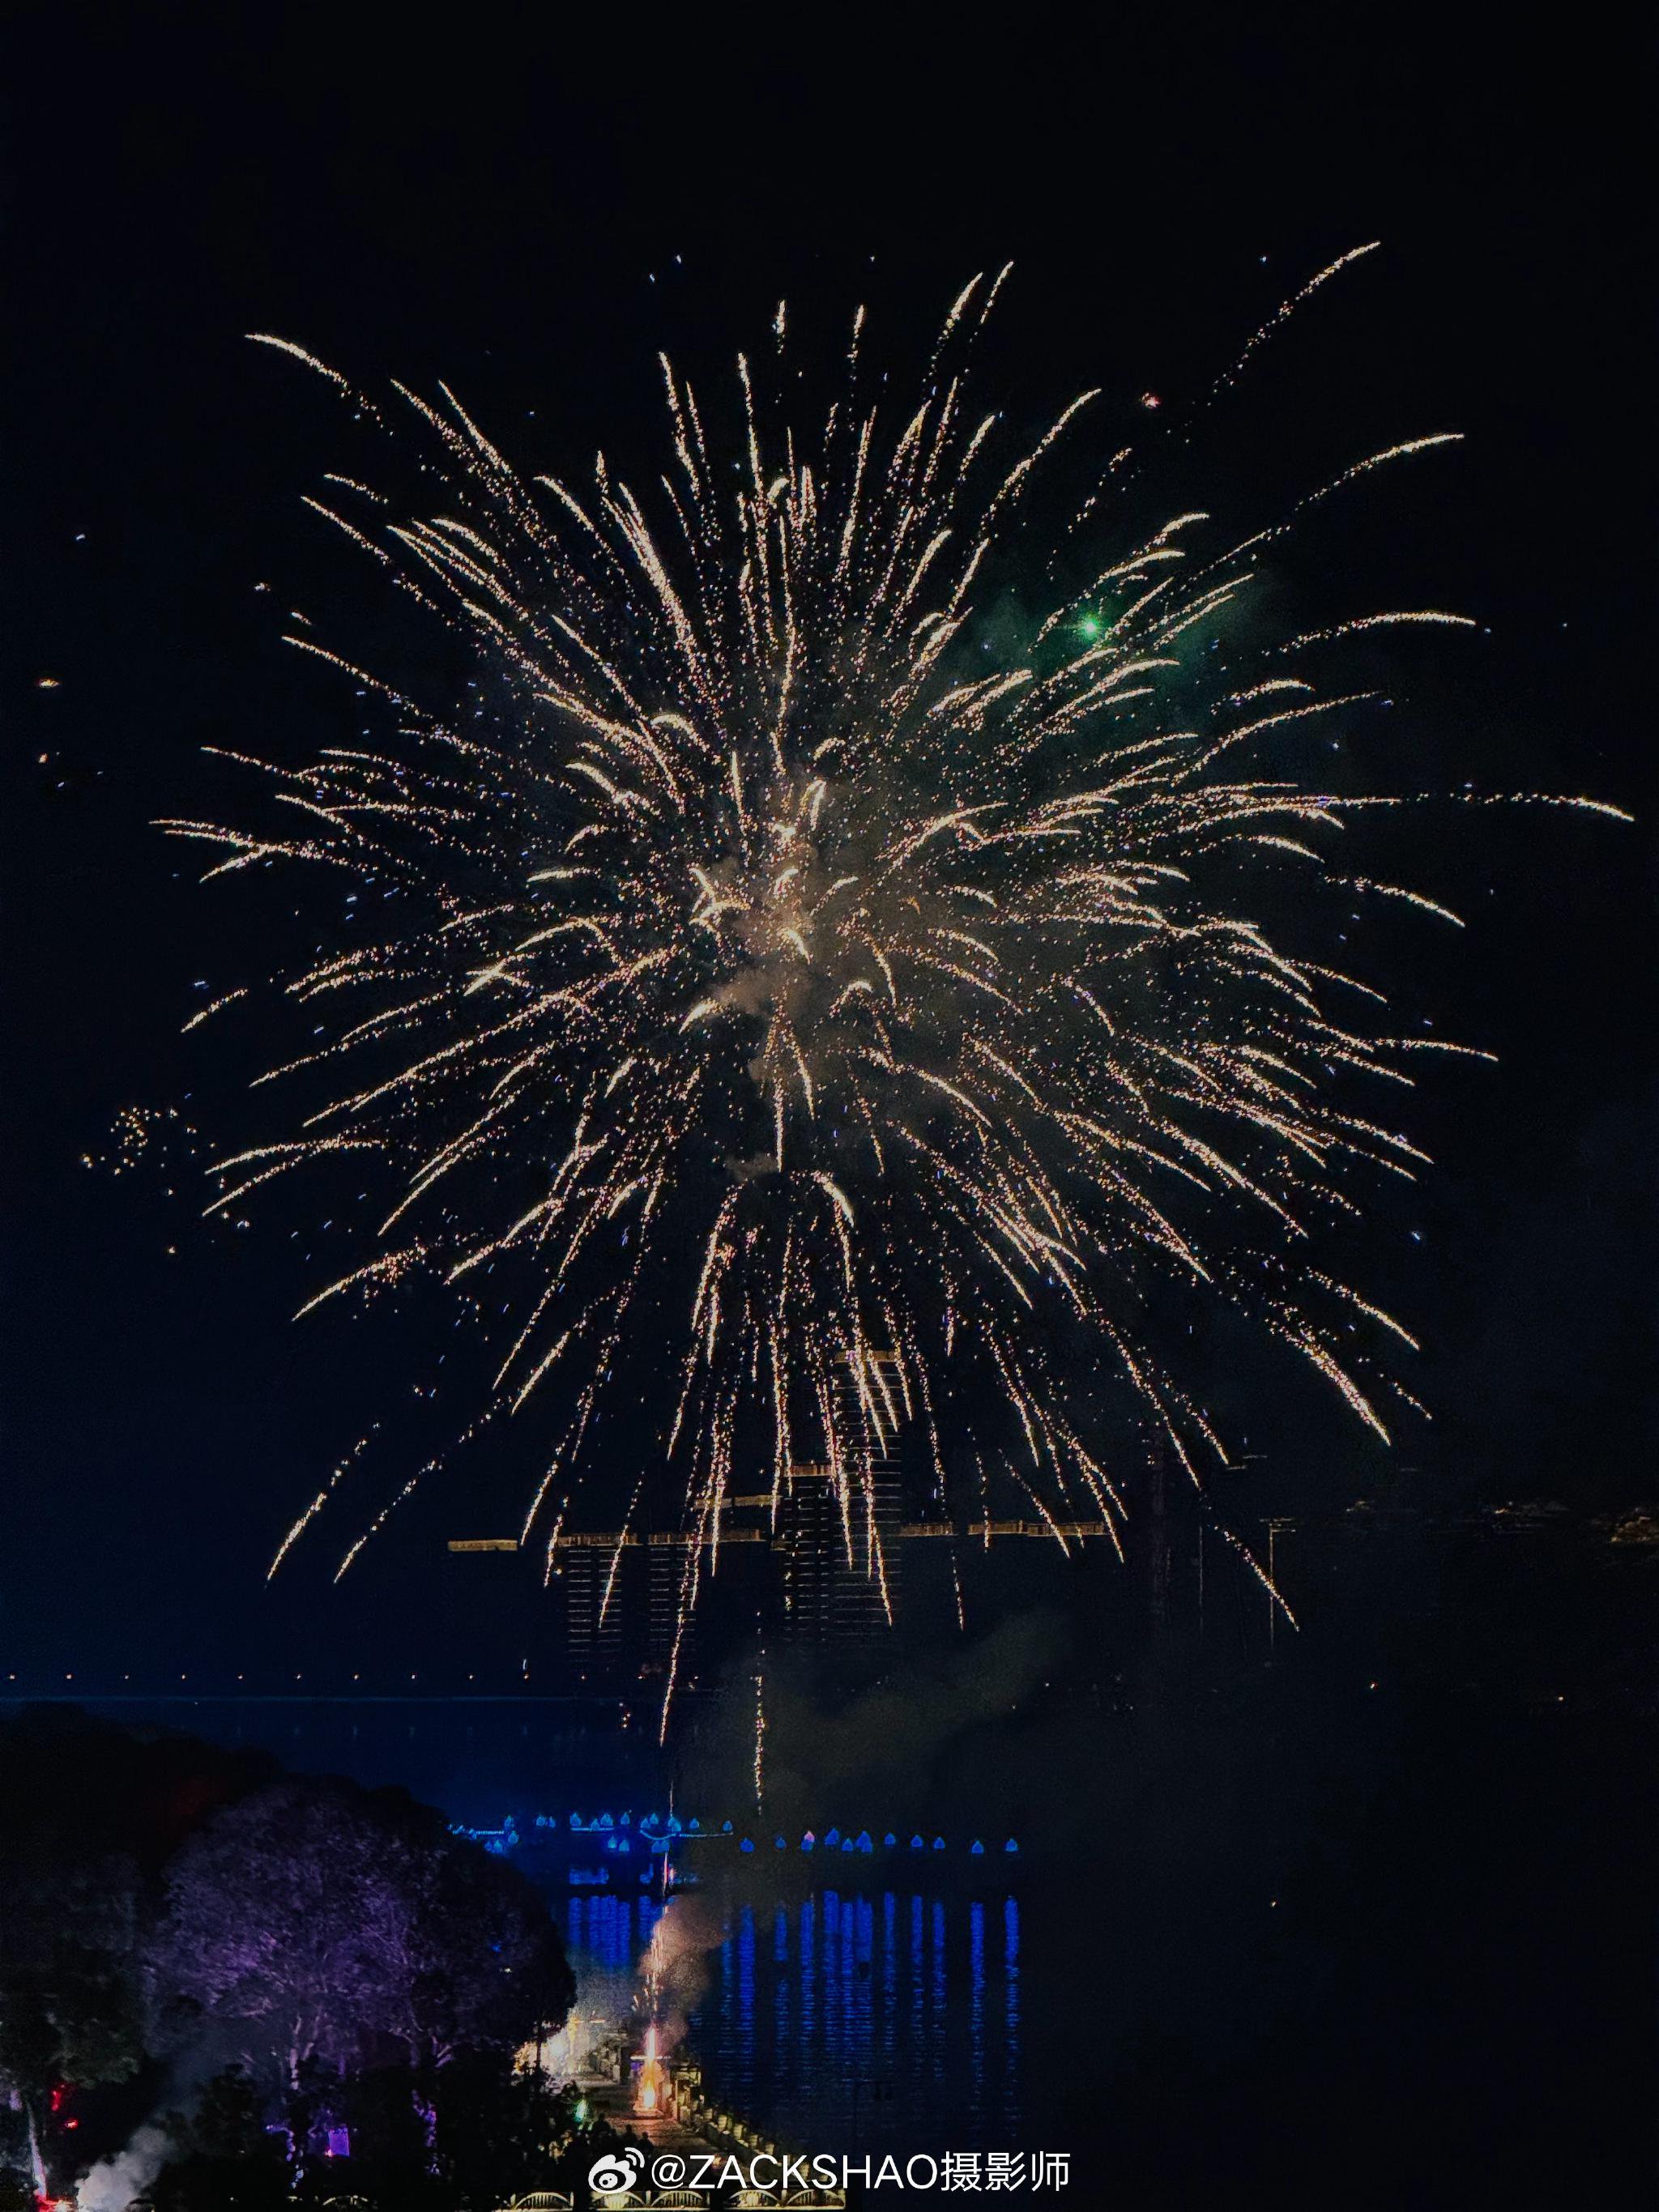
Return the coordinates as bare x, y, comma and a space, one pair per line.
616, 2170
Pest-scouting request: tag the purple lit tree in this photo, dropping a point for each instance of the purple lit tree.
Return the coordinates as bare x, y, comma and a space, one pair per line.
316, 1922
286, 1928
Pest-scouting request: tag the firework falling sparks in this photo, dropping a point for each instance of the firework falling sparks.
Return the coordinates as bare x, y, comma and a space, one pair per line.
760, 1735
774, 972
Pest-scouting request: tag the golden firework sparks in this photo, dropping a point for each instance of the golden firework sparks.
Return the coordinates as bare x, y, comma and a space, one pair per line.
849, 993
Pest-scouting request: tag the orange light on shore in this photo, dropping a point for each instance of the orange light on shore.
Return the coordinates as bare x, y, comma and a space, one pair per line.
651, 2083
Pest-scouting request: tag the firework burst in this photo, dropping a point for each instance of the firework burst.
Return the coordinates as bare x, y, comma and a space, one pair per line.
776, 973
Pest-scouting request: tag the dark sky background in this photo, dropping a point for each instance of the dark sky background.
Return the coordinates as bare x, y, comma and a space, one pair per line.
530, 216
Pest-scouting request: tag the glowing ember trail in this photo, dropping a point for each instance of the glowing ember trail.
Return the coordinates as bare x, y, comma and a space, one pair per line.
651, 2075
766, 965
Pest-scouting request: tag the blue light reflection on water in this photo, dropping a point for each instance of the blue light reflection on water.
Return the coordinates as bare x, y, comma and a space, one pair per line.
839, 2017
1012, 2109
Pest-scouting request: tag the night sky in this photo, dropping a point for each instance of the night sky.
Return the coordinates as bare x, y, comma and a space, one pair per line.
531, 217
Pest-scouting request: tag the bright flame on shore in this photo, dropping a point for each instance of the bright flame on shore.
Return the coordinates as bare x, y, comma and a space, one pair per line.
651, 2081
